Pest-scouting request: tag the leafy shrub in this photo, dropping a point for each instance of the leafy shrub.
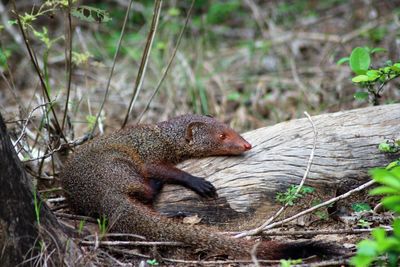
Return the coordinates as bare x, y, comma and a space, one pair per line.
368, 77
383, 248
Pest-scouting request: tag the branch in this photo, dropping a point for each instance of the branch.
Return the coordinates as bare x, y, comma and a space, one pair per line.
145, 58
260, 228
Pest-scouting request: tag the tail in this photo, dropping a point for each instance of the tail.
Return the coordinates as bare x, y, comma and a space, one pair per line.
127, 215
298, 249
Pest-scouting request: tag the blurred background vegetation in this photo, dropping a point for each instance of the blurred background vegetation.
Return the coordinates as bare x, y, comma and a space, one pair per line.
250, 63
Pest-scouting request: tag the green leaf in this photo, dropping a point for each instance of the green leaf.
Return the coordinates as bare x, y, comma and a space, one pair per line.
359, 206
361, 95
396, 172
3, 58
152, 262
234, 96
361, 261
360, 79
377, 50
392, 202
385, 147
379, 234
393, 164
91, 14
13, 22
367, 248
360, 60
385, 177
373, 74
343, 60
174, 12
396, 227
383, 190
396, 67
307, 189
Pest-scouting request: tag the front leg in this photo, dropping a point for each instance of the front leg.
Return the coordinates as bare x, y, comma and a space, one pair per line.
172, 175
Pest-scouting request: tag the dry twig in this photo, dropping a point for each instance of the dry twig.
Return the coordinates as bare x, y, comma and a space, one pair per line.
262, 227
145, 59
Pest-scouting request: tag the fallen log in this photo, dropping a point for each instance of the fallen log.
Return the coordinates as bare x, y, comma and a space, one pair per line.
346, 149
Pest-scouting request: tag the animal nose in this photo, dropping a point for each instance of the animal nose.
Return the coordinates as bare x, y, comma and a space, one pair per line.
247, 146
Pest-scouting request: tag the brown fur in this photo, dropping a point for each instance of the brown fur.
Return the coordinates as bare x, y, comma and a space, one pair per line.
120, 175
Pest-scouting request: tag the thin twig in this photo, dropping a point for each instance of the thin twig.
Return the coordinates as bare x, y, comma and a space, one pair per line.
200, 263
310, 160
107, 235
323, 232
27, 122
164, 75
71, 144
145, 59
113, 66
114, 259
56, 200
253, 254
68, 62
75, 217
132, 243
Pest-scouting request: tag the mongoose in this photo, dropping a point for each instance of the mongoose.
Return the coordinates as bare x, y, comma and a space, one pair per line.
120, 175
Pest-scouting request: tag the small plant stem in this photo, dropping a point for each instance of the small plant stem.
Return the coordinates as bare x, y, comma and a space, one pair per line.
164, 75
113, 66
145, 59
68, 62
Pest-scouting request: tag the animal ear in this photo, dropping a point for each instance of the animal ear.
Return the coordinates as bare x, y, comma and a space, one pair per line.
191, 129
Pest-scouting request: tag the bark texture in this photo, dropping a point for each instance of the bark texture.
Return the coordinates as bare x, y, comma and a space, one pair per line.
23, 240
346, 149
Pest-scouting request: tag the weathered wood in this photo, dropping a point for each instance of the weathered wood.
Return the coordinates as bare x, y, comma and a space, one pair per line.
346, 150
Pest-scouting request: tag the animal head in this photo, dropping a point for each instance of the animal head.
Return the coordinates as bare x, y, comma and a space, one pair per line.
209, 137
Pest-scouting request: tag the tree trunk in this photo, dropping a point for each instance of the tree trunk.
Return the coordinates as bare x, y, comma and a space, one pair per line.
26, 237
346, 149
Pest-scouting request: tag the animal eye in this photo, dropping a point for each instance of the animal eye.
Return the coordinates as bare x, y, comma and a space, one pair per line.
222, 136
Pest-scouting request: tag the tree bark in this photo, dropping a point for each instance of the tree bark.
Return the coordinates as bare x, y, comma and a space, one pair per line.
346, 149
26, 237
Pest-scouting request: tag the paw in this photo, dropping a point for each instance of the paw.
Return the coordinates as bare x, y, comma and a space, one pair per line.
202, 187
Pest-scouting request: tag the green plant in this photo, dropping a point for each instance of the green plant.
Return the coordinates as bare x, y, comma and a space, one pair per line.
363, 223
37, 204
81, 225
102, 223
368, 77
152, 262
4, 55
390, 146
290, 197
360, 206
288, 263
91, 121
383, 249
218, 12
